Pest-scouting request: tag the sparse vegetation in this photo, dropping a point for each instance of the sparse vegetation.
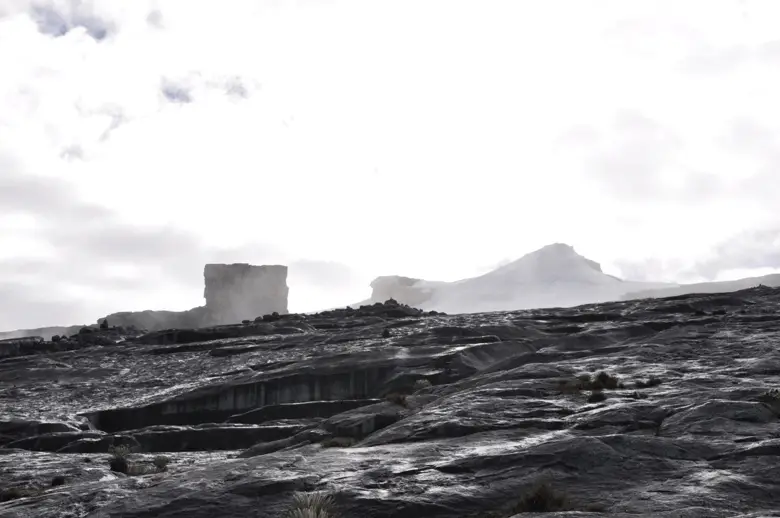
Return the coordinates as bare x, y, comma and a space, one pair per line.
312, 505
652, 381
397, 399
118, 461
541, 499
596, 396
161, 462
6, 495
338, 442
602, 381
137, 470
421, 384
770, 396
605, 381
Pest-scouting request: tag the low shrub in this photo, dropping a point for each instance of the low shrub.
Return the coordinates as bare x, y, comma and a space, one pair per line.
541, 499
602, 381
118, 460
605, 381
338, 442
312, 505
421, 384
596, 396
6, 495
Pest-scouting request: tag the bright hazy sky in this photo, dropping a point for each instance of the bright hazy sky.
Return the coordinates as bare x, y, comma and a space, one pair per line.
350, 139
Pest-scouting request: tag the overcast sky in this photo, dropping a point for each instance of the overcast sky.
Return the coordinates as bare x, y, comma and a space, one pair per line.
351, 139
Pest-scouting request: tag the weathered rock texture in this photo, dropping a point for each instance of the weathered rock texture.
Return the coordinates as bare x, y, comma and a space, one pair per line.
236, 292
655, 408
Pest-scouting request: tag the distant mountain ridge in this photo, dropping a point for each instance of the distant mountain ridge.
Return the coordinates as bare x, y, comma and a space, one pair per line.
555, 275
552, 276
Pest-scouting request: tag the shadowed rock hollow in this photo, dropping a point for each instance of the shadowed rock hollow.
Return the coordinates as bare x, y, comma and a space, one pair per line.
662, 407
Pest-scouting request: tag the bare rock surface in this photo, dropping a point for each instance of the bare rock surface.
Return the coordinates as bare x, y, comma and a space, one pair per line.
660, 407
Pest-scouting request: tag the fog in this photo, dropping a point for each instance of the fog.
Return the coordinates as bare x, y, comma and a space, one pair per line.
356, 139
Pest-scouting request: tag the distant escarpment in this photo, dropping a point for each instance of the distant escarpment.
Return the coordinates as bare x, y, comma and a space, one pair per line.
233, 293
236, 292
553, 276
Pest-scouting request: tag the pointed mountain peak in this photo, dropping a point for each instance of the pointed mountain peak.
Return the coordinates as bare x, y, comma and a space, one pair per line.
555, 262
561, 253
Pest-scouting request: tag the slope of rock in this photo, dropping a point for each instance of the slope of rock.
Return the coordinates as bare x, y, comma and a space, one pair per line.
553, 276
658, 408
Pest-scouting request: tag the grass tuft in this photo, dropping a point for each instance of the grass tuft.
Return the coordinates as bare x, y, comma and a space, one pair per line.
312, 505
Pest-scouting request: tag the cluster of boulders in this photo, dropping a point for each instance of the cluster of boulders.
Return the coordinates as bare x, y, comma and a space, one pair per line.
390, 308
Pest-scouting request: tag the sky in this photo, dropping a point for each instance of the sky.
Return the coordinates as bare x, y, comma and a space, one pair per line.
351, 139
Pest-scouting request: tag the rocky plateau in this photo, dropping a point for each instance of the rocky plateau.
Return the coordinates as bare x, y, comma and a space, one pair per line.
664, 407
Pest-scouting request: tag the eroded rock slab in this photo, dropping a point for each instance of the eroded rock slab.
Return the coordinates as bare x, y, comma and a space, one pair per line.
663, 408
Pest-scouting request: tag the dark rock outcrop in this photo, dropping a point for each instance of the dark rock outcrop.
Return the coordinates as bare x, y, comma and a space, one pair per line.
659, 408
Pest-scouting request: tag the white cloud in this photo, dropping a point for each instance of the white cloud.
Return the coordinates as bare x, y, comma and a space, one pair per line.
140, 139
